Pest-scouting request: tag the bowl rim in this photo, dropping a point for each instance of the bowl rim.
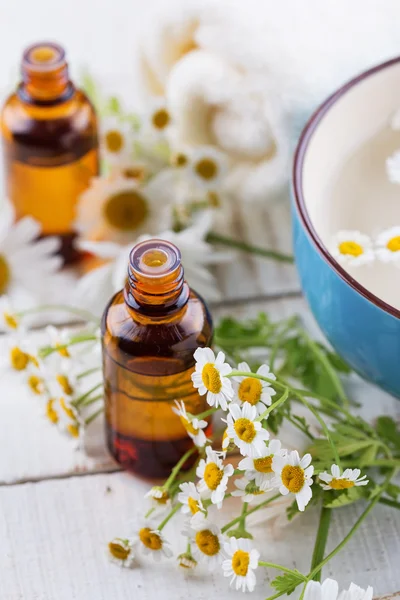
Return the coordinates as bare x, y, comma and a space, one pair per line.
297, 184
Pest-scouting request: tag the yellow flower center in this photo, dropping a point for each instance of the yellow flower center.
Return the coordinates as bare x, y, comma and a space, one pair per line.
67, 409
214, 199
207, 542
114, 141
206, 168
213, 476
188, 426
150, 539
163, 499
126, 210
394, 244
351, 248
62, 351
10, 320
293, 478
250, 390
240, 562
19, 359
36, 384
50, 412
211, 378
193, 505
341, 484
73, 430
179, 160
65, 384
161, 118
118, 550
245, 430
263, 465
134, 172
5, 274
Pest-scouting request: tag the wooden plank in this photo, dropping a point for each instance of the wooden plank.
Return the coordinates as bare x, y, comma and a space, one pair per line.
39, 451
54, 535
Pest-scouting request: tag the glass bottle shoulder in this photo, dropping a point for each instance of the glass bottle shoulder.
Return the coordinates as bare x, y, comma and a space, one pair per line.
179, 334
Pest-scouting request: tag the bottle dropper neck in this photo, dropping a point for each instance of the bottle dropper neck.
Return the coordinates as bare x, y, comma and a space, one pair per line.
156, 282
44, 71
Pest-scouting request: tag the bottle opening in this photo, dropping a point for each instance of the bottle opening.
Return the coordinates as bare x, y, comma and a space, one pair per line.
155, 258
43, 57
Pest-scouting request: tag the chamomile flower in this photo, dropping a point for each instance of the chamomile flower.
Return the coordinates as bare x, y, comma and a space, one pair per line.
120, 552
119, 208
207, 541
352, 248
194, 427
59, 338
342, 481
393, 167
249, 491
328, 590
19, 353
187, 561
260, 468
241, 563
208, 167
35, 381
210, 377
157, 121
51, 413
116, 139
190, 498
159, 497
247, 433
152, 541
293, 475
213, 477
9, 319
27, 264
256, 392
387, 245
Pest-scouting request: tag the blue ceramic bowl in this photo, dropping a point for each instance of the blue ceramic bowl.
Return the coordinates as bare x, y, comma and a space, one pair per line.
361, 327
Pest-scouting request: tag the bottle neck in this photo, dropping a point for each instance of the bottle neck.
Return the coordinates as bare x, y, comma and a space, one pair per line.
155, 284
45, 78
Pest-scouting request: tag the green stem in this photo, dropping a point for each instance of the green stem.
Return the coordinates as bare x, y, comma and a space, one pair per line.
94, 416
78, 339
249, 512
216, 238
321, 539
90, 401
149, 512
203, 415
299, 426
88, 372
169, 516
83, 314
388, 502
354, 528
242, 522
278, 402
324, 428
262, 563
177, 467
337, 384
273, 382
82, 398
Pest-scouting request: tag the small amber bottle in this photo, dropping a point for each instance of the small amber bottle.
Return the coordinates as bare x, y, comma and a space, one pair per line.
50, 146
150, 331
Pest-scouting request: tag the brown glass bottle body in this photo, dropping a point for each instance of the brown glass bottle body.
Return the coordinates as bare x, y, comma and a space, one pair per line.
50, 150
147, 363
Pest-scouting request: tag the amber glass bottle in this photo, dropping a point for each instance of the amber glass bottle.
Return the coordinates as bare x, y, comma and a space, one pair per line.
150, 331
50, 146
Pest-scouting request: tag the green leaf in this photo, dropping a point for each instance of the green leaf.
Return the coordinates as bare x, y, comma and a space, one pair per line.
113, 106
389, 431
368, 455
287, 582
337, 500
393, 490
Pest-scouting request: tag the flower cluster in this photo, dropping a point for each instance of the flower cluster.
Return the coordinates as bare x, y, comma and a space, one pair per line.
265, 471
63, 374
352, 248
